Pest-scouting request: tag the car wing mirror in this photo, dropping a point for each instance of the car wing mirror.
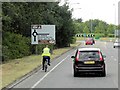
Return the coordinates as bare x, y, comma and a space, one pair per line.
72, 56
104, 56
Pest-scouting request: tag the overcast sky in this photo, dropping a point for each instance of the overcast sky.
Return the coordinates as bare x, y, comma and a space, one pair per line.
106, 10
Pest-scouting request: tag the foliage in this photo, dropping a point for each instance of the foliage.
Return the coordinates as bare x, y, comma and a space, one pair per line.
85, 29
15, 46
110, 35
95, 26
99, 35
73, 40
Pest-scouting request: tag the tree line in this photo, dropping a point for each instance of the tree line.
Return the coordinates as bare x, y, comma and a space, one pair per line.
95, 26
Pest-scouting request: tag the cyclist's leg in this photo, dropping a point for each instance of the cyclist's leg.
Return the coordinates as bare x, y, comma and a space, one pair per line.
48, 60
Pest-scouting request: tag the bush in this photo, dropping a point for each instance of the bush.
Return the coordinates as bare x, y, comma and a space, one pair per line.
99, 35
111, 35
15, 46
73, 40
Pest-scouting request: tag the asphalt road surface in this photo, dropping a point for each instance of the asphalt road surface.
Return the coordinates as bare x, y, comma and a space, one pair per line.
60, 73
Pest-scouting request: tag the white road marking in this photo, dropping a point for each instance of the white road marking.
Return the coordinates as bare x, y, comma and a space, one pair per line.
116, 84
48, 73
115, 59
105, 44
112, 56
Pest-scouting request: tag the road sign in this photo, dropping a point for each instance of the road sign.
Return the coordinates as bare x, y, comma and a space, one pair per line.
85, 35
43, 34
34, 36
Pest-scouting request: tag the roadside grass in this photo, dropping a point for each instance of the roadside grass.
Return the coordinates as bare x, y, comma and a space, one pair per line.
80, 38
102, 38
17, 68
107, 39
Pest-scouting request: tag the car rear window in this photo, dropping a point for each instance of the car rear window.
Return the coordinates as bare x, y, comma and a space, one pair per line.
86, 55
89, 39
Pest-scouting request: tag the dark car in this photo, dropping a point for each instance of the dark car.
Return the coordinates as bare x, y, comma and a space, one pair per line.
89, 60
89, 41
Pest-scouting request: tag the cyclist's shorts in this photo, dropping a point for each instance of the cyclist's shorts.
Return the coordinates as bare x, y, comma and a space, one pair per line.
46, 57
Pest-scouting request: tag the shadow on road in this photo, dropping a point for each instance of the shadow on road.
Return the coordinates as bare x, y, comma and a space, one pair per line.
89, 75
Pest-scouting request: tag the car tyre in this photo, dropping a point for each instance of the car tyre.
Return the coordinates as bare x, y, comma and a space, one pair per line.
103, 74
75, 73
113, 46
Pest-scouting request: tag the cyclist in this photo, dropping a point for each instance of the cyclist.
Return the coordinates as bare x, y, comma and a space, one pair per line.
46, 55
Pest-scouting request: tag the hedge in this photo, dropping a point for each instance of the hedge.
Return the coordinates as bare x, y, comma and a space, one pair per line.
15, 46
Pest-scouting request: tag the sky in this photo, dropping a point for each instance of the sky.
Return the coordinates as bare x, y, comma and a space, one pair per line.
105, 10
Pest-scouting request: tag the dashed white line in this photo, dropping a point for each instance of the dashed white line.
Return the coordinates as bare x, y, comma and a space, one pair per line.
48, 73
115, 83
115, 59
112, 56
105, 44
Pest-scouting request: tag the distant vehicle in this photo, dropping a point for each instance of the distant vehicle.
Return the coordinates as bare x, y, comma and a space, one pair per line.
116, 43
93, 41
89, 60
89, 41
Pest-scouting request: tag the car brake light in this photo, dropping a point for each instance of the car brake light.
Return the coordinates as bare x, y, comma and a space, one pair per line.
77, 57
101, 58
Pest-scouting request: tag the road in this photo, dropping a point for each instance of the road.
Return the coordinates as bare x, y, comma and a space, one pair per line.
60, 73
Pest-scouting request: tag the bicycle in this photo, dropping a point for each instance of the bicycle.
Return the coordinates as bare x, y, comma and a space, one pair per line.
45, 65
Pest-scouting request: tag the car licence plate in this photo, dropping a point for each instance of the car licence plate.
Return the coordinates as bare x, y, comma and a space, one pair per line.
89, 62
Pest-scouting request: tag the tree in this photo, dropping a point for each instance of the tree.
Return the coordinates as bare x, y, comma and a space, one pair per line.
110, 29
86, 29
118, 26
97, 30
98, 26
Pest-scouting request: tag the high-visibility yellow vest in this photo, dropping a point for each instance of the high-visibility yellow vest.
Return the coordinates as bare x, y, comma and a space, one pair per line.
46, 52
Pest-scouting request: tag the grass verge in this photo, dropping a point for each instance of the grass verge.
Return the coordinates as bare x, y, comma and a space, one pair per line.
17, 68
102, 39
107, 39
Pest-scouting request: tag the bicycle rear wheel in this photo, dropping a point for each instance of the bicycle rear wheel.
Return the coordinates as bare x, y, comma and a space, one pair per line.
45, 66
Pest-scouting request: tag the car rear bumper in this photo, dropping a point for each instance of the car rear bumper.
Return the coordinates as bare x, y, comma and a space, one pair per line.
89, 43
116, 45
89, 69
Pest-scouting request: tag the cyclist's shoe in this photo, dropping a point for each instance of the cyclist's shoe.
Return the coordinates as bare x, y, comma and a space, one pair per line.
42, 68
49, 64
